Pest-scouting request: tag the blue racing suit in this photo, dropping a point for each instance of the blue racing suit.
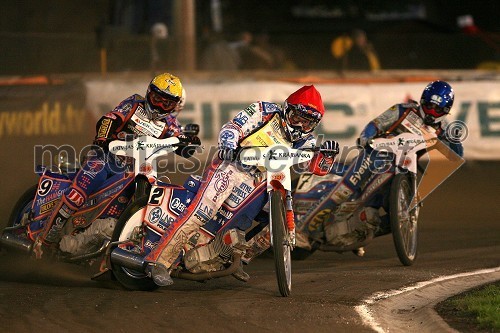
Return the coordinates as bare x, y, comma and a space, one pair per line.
365, 164
128, 118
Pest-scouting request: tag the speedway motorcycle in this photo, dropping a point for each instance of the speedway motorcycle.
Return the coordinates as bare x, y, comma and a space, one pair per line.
237, 233
388, 203
88, 231
276, 160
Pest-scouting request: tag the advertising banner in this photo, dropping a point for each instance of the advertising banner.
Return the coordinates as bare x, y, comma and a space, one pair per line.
349, 106
47, 116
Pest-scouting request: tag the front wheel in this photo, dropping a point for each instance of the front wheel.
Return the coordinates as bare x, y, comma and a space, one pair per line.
281, 244
128, 225
403, 220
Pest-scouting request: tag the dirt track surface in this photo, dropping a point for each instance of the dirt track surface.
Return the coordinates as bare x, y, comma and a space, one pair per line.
459, 232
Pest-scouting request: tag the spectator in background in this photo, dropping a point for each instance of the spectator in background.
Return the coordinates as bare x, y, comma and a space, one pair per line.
159, 34
468, 27
245, 53
242, 47
264, 55
256, 52
355, 52
219, 54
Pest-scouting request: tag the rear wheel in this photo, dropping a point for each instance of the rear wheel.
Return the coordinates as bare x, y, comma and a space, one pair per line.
14, 237
280, 242
403, 220
22, 206
128, 224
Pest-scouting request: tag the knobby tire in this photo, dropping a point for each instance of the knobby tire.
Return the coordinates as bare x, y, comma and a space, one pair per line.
279, 233
404, 232
128, 278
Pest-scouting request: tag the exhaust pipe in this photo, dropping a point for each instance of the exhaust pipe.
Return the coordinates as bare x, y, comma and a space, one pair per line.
128, 259
90, 255
136, 262
16, 242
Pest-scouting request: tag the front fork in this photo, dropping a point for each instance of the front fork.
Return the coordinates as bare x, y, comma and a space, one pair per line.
415, 200
290, 219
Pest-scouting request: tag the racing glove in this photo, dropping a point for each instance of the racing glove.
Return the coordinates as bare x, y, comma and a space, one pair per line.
367, 135
188, 145
322, 162
191, 129
330, 148
228, 142
227, 153
105, 129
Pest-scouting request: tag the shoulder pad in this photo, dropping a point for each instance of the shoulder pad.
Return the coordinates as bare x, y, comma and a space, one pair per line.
127, 105
410, 105
137, 98
268, 108
251, 109
132, 99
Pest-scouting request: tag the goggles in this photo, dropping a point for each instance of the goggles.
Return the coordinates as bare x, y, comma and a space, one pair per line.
299, 116
435, 110
162, 103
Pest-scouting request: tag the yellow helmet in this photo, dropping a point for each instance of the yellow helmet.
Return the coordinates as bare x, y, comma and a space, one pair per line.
163, 95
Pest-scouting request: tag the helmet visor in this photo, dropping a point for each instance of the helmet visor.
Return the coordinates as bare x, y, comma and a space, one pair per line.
161, 103
298, 117
435, 110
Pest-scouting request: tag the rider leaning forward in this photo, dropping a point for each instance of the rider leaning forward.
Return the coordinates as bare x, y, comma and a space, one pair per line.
296, 121
435, 105
153, 115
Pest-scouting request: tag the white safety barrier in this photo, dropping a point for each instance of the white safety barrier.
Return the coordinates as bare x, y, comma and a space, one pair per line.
349, 106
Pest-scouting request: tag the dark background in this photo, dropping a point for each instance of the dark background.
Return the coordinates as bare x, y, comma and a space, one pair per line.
57, 36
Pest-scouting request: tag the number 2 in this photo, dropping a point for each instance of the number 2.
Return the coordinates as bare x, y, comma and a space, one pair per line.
156, 196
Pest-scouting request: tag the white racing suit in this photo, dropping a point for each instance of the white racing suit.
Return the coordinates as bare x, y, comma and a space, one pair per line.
219, 180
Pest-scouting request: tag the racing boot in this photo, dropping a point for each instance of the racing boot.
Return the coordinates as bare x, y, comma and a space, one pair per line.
241, 275
159, 273
218, 254
89, 240
64, 209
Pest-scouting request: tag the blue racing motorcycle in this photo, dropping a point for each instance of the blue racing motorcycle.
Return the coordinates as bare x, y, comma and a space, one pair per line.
87, 233
380, 192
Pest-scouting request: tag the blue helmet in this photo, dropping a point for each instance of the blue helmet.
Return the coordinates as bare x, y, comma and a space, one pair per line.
436, 101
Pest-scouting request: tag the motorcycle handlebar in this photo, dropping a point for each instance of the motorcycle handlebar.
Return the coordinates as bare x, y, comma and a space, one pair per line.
191, 129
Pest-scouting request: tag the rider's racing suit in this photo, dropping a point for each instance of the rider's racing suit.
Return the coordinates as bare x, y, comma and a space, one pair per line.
221, 177
128, 118
365, 164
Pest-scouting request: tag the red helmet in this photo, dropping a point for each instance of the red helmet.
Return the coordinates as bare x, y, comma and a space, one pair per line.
303, 111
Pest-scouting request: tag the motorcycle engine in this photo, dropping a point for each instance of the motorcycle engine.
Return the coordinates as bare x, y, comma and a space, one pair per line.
212, 256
